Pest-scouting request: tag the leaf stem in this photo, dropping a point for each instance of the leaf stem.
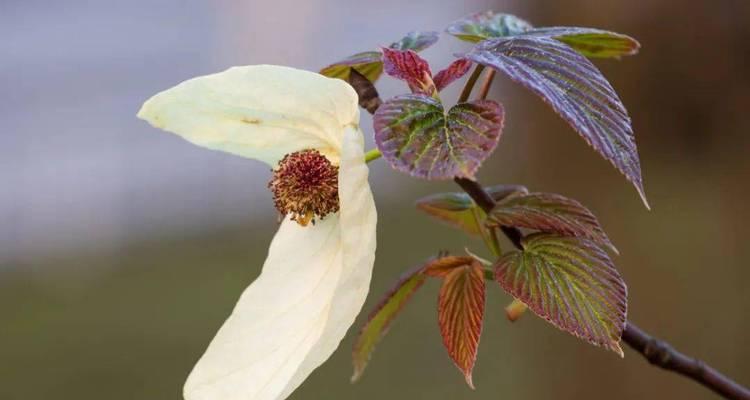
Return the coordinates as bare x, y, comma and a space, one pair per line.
486, 84
466, 92
372, 155
657, 352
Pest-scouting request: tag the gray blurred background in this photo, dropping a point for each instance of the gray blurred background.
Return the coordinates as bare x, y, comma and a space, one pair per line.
123, 248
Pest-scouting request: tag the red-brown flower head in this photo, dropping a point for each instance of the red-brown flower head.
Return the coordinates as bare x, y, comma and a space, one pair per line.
305, 186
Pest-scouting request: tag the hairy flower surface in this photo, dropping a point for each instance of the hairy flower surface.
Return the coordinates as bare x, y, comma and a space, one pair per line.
316, 277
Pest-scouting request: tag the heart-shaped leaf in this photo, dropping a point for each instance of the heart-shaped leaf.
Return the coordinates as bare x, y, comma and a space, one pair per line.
411, 68
454, 71
458, 210
592, 43
575, 89
370, 63
551, 213
569, 282
417, 137
461, 313
380, 319
480, 26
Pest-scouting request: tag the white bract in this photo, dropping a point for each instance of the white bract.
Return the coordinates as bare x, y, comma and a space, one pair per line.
315, 278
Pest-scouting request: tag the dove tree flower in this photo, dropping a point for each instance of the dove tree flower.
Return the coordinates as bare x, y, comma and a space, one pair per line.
317, 273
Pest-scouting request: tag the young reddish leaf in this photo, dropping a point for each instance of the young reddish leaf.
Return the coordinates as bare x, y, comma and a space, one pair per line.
549, 212
417, 137
569, 282
416, 40
460, 314
411, 68
454, 71
592, 43
480, 26
443, 266
458, 210
379, 320
368, 63
574, 88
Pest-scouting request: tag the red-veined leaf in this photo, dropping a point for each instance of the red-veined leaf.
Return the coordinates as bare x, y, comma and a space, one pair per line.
417, 137
591, 42
408, 66
487, 25
380, 319
575, 89
549, 212
454, 71
460, 315
458, 210
442, 266
569, 282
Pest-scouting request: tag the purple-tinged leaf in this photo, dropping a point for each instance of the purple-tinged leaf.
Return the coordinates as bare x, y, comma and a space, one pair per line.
592, 43
369, 64
458, 210
369, 99
454, 71
570, 282
487, 25
574, 88
416, 40
550, 213
411, 68
461, 313
380, 319
417, 137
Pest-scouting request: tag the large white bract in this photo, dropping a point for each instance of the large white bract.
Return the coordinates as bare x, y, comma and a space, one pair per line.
315, 279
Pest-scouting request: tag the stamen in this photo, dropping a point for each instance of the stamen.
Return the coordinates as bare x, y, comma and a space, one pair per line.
305, 186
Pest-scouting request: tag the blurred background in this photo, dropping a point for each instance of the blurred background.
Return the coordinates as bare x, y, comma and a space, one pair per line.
123, 248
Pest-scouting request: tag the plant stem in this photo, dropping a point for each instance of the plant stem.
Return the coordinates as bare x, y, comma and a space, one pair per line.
466, 92
657, 352
486, 84
373, 154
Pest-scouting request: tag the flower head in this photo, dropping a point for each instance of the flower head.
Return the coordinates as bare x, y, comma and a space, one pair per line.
316, 277
305, 185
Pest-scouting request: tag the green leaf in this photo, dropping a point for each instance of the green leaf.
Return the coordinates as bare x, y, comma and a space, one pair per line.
480, 26
461, 313
592, 43
575, 89
569, 282
458, 210
551, 213
417, 137
380, 319
368, 63
416, 40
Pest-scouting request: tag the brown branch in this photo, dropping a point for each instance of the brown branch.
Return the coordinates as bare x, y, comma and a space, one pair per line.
663, 355
657, 352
